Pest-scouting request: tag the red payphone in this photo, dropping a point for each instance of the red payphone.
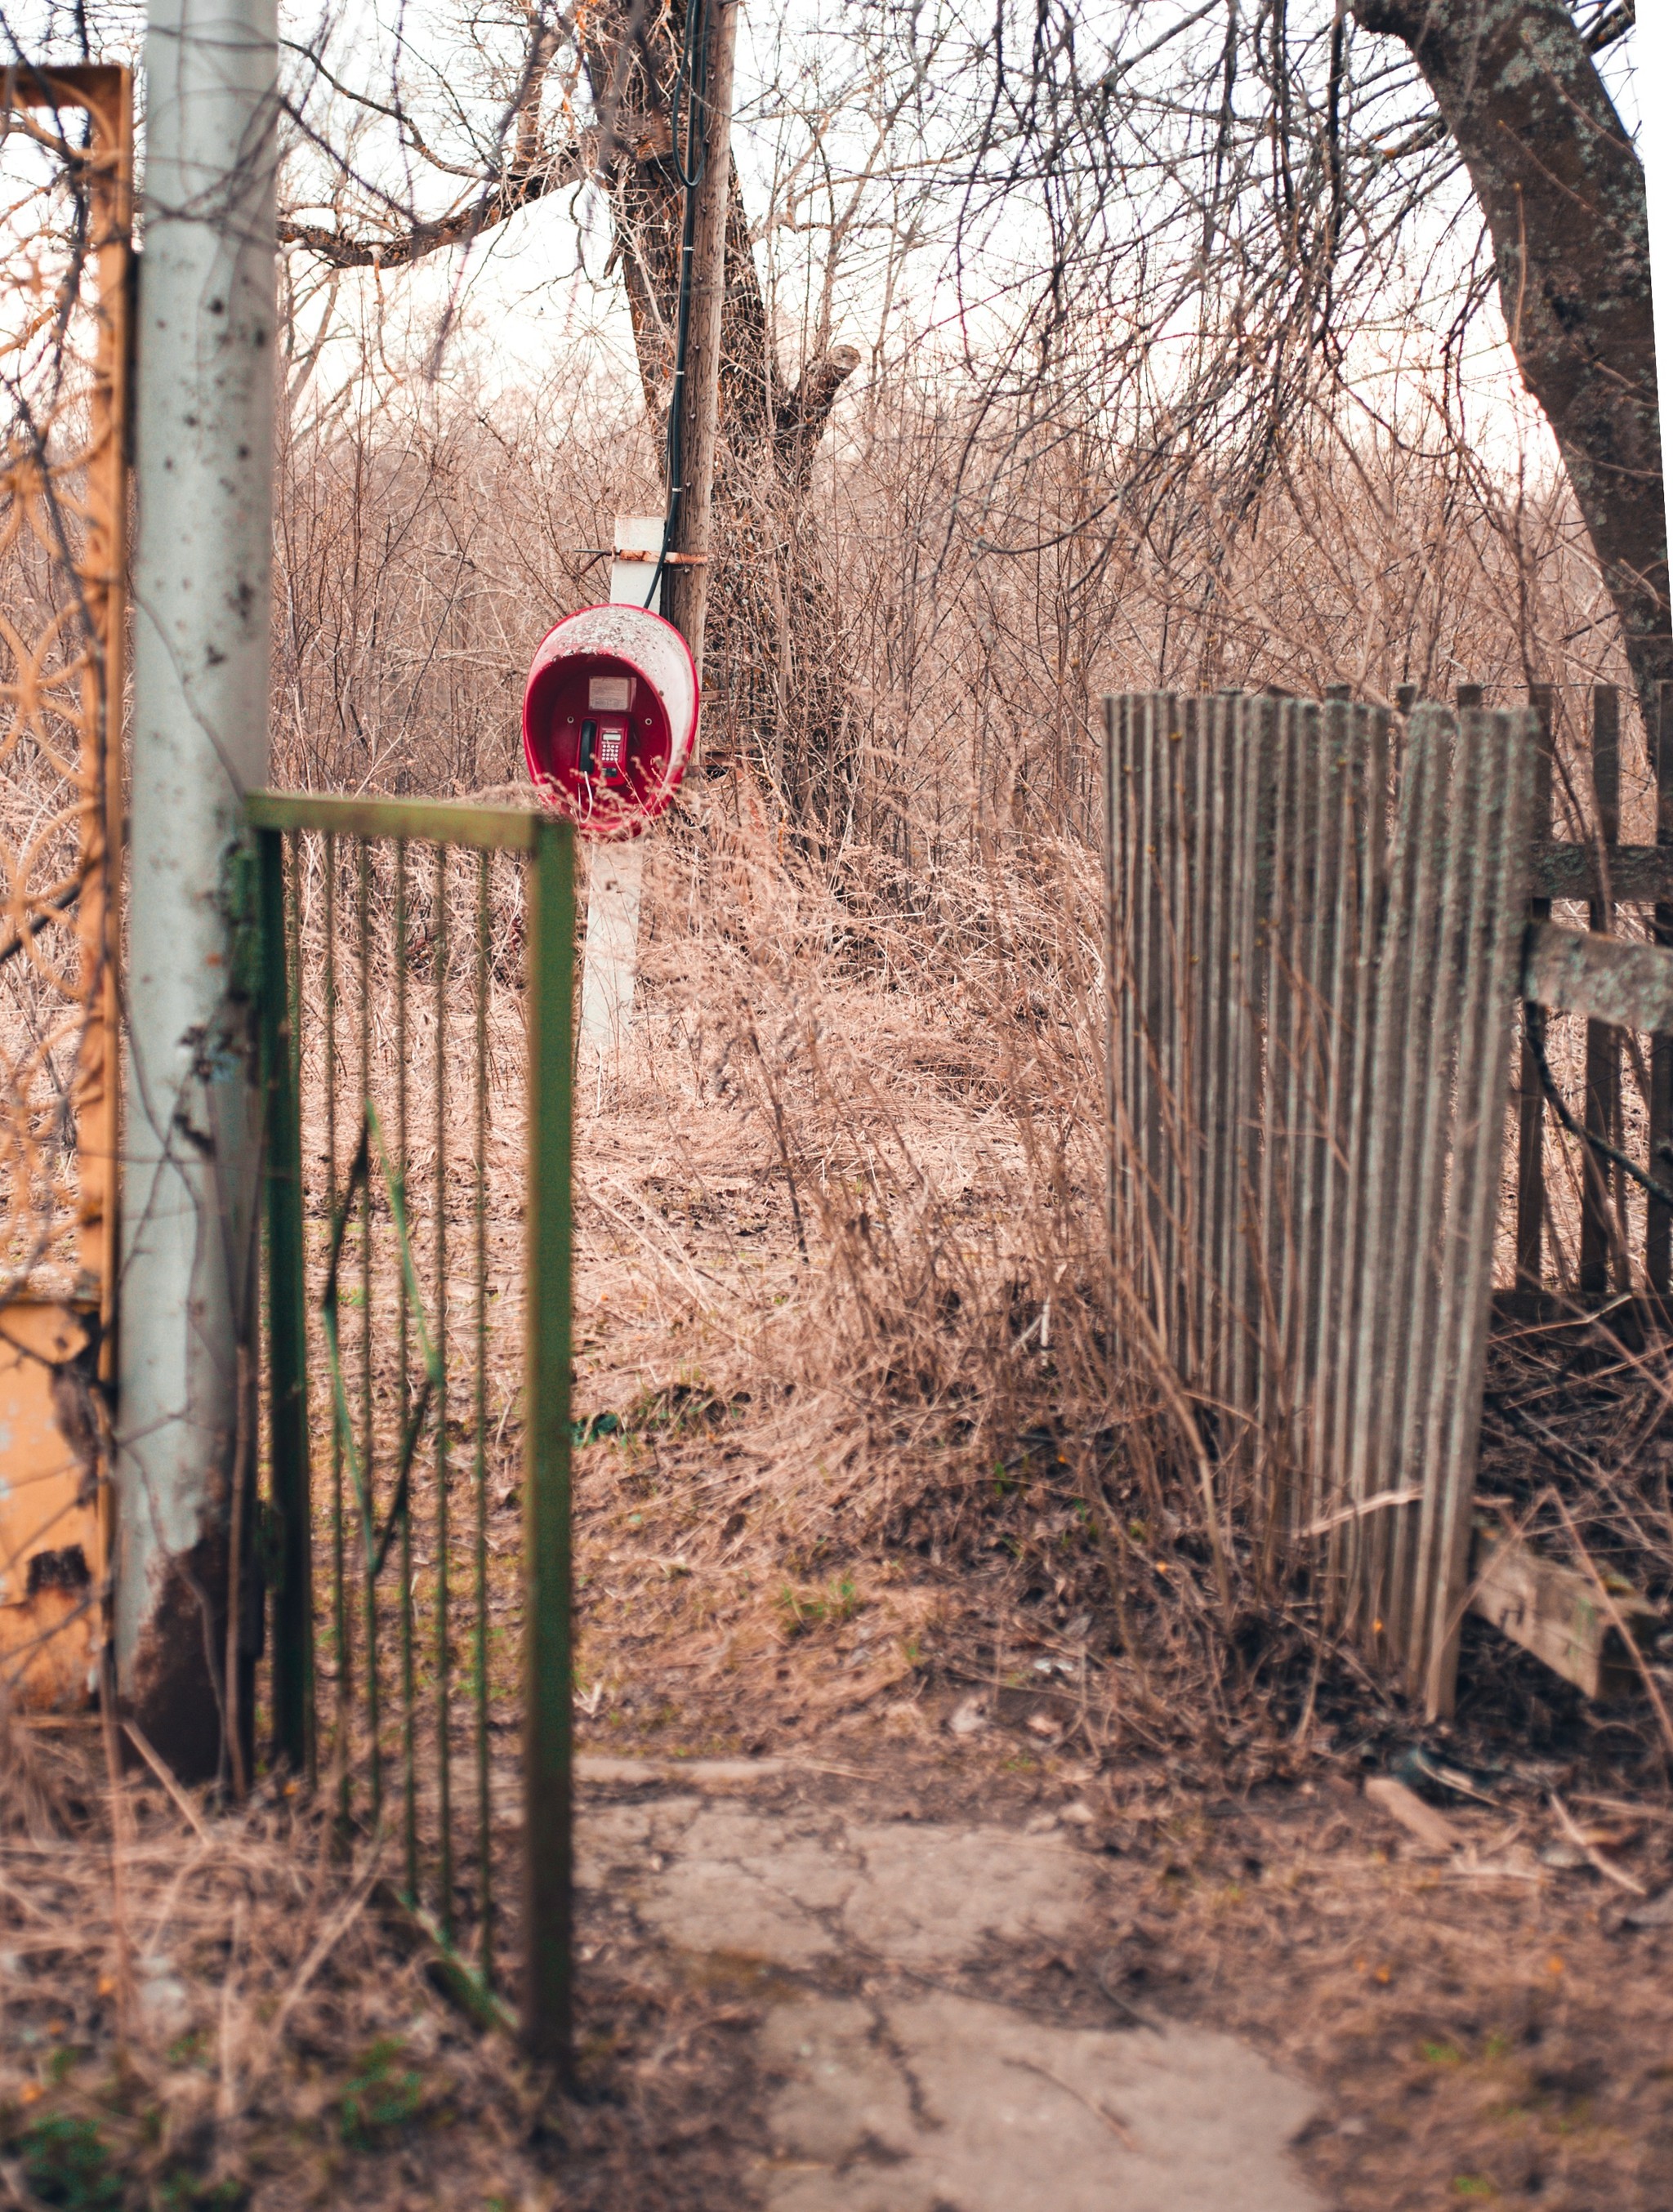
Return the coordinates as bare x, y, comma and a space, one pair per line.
610, 714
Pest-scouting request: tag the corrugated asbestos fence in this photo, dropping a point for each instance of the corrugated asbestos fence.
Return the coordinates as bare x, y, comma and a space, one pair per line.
1316, 920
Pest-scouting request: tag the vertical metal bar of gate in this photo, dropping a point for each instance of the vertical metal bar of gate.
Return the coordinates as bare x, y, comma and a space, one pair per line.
1601, 1191
287, 1322
547, 1993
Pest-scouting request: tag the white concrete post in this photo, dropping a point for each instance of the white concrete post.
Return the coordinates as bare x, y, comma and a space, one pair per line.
615, 873
203, 463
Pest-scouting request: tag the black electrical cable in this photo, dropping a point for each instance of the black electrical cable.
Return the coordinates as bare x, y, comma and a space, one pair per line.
1533, 1016
690, 90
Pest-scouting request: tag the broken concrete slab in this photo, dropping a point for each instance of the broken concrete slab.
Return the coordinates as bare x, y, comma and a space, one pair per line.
935, 1896
751, 1885
942, 2104
609, 1836
600, 1767
908, 1892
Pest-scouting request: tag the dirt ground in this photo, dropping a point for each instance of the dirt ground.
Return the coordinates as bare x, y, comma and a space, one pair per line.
201, 2008
1477, 2023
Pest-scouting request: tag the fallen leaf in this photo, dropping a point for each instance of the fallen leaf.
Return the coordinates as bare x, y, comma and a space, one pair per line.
1656, 1912
1576, 1835
1431, 1828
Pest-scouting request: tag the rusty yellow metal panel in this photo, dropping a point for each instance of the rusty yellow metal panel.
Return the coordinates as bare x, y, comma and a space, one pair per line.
52, 1535
66, 161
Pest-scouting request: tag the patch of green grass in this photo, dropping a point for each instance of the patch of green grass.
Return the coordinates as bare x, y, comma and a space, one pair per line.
1442, 2054
1473, 2184
188, 2192
594, 1431
840, 1601
381, 2096
67, 2162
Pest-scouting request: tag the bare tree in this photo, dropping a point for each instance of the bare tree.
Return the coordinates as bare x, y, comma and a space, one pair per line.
1180, 280
1231, 201
634, 62
1563, 192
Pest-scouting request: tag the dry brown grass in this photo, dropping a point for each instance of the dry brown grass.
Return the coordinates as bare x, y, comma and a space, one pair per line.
851, 1489
915, 1098
246, 2027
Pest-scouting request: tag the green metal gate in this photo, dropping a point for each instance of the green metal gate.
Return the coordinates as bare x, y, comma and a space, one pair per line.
414, 1003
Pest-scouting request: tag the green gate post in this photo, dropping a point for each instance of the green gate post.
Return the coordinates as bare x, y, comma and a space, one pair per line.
287, 1325
550, 989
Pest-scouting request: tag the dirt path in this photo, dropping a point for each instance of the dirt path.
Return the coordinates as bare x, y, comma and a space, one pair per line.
982, 1975
962, 1975
908, 2062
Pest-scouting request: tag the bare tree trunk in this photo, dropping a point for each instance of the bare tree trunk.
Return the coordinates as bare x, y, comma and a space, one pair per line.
771, 612
1563, 194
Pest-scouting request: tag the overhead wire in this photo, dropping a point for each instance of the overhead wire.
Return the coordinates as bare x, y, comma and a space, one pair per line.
691, 92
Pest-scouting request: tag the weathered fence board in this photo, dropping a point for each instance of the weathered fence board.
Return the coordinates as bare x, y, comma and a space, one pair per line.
1631, 873
1313, 960
1611, 981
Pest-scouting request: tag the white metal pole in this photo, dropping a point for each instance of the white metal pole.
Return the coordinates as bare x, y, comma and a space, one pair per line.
615, 873
203, 457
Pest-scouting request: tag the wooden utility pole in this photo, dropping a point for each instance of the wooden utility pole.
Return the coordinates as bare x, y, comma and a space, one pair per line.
686, 597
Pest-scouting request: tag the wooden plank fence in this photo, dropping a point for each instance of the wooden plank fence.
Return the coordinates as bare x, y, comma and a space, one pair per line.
1620, 884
